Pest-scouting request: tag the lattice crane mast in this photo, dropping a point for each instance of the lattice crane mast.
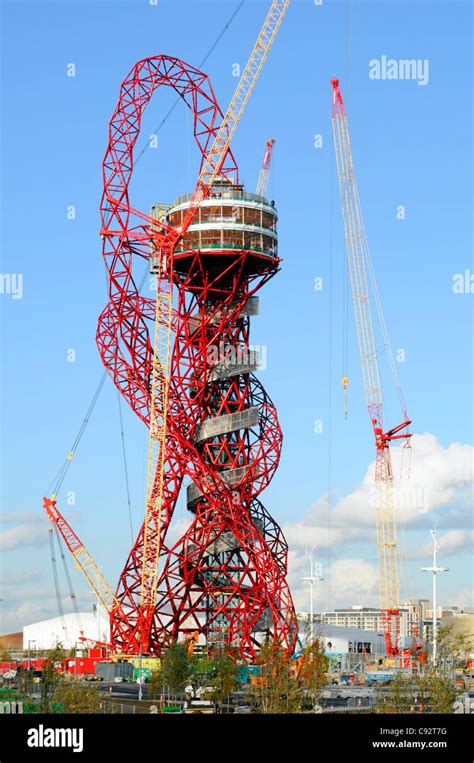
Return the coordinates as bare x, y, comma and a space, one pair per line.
360, 265
164, 241
264, 174
83, 559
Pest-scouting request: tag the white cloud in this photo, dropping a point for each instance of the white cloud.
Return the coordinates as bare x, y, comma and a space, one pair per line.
176, 529
299, 534
463, 598
19, 578
451, 542
22, 535
346, 581
21, 516
26, 612
29, 602
429, 480
434, 484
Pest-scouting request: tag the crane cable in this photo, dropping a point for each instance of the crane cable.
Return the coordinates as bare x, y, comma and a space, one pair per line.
72, 593
58, 480
345, 319
201, 63
56, 586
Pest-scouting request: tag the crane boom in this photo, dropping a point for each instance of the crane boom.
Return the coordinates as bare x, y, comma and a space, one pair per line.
215, 157
360, 265
83, 559
157, 439
166, 243
264, 175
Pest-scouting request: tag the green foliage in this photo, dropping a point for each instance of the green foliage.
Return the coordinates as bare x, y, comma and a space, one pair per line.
176, 667
456, 639
51, 677
399, 697
155, 685
5, 656
76, 698
443, 694
314, 666
277, 690
223, 674
426, 692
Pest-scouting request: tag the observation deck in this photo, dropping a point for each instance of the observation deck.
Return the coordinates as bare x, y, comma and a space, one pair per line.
231, 224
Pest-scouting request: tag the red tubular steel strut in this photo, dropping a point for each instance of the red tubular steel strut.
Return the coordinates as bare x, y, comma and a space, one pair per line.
226, 576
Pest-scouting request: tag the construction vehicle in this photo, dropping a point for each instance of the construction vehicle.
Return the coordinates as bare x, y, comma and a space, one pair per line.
192, 641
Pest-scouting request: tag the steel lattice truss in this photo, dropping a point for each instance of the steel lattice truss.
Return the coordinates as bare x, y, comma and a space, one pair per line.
226, 576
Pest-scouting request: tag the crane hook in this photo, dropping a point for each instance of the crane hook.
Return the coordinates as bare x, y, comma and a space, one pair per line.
345, 382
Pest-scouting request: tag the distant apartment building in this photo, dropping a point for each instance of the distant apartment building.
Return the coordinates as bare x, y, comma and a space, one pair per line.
412, 615
364, 618
416, 617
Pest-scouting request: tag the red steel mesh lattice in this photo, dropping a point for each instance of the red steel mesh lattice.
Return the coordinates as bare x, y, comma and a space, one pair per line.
226, 576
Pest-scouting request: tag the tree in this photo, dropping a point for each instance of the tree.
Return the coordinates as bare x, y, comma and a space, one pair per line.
223, 676
314, 666
427, 692
51, 676
276, 689
176, 667
399, 697
76, 698
455, 639
155, 686
443, 694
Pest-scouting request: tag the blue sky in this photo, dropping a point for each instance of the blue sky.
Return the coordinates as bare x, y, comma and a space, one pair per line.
412, 147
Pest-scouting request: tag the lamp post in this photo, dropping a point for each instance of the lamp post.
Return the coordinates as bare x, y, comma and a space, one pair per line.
96, 606
312, 579
140, 690
435, 569
75, 657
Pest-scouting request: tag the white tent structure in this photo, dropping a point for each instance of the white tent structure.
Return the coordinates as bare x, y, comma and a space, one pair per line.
66, 630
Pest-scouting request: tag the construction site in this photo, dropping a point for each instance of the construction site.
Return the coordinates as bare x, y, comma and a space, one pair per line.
214, 588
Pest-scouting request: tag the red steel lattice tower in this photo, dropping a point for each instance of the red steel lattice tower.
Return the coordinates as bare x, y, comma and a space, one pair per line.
226, 576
